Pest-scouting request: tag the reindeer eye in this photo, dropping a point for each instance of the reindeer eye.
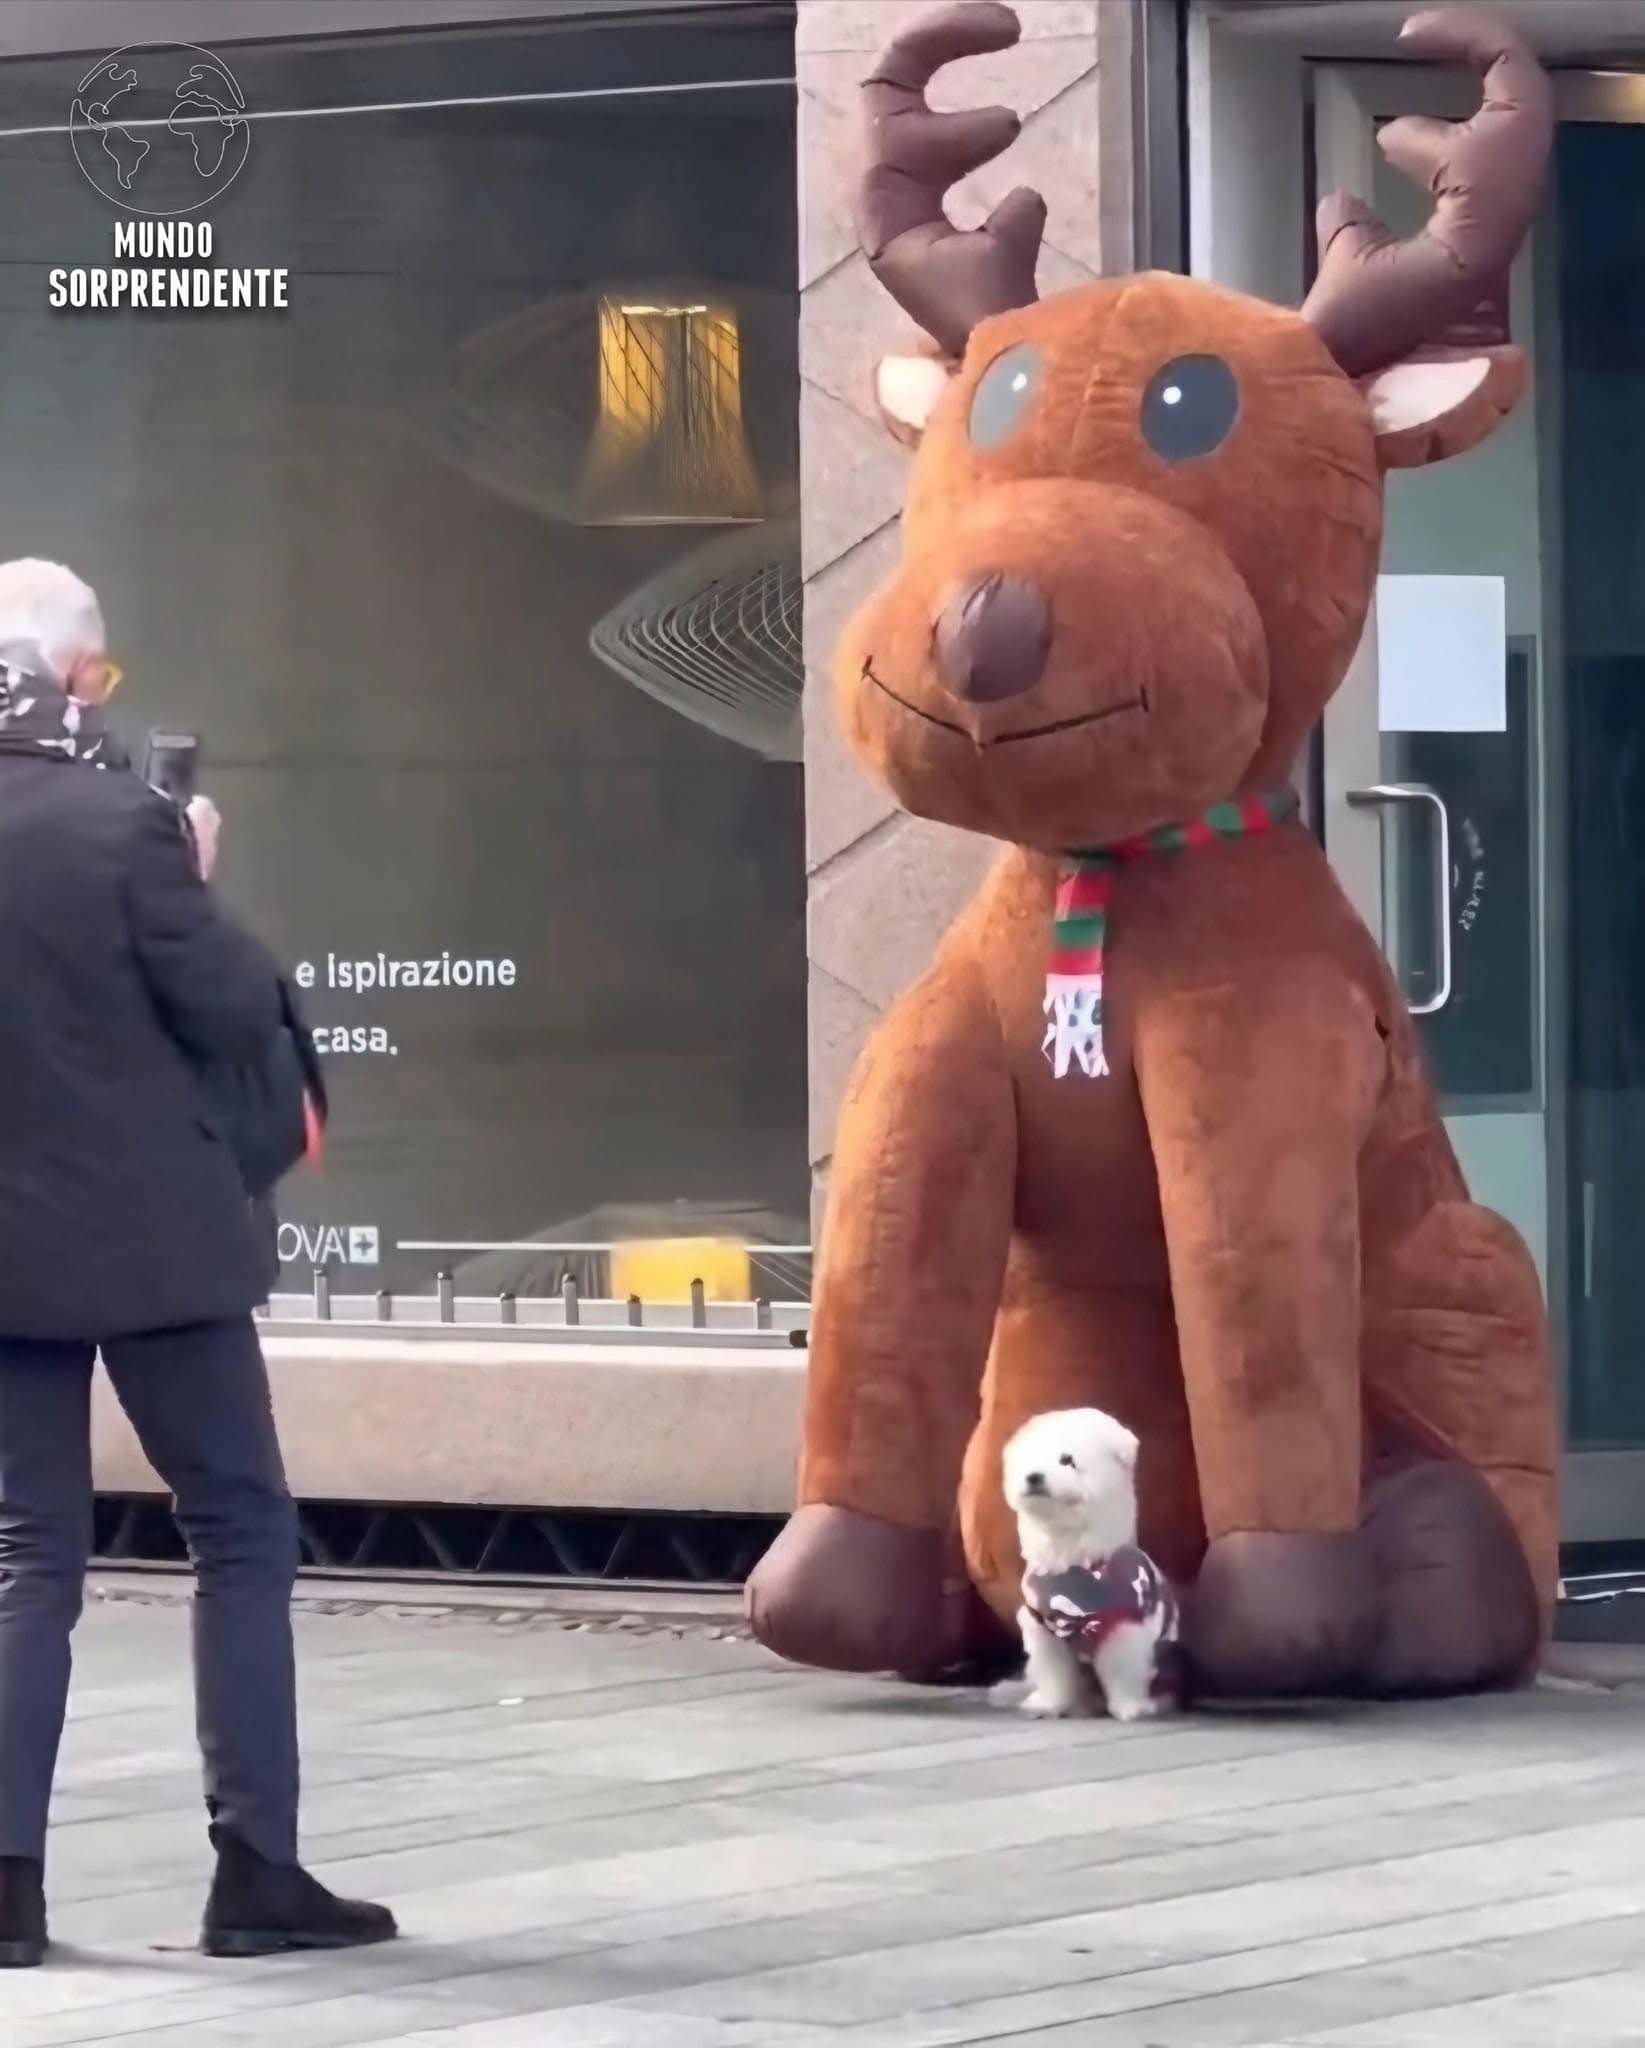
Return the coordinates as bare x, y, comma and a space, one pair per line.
1189, 408
1003, 395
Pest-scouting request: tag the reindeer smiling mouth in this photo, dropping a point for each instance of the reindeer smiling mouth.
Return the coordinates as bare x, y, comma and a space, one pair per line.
1138, 702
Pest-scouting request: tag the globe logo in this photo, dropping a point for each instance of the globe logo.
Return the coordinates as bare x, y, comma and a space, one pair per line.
160, 128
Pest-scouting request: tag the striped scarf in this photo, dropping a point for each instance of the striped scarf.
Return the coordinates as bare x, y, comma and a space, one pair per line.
1073, 987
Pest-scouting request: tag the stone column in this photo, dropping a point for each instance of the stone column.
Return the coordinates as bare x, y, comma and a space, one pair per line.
882, 887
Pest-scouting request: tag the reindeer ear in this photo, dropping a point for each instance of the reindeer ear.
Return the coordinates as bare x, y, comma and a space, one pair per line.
906, 389
1442, 402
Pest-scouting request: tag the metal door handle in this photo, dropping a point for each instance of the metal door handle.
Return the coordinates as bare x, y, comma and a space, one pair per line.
1376, 798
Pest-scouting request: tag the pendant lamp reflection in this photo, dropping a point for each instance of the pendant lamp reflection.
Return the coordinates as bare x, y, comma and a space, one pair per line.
669, 448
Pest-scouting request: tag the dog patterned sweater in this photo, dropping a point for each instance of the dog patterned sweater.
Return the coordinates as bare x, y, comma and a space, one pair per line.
1084, 1604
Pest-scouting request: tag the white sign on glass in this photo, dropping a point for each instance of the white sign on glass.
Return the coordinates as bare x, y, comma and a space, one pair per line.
1442, 654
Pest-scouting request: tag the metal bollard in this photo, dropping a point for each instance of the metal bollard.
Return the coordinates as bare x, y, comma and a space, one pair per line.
636, 1312
322, 1295
445, 1289
508, 1309
385, 1306
699, 1306
568, 1297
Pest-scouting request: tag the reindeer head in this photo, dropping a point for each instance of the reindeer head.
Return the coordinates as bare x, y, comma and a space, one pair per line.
1144, 521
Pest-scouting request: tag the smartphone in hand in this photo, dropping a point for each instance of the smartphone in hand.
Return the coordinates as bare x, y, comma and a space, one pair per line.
172, 766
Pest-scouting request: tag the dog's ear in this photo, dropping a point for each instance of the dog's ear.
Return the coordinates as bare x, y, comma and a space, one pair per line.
1129, 1450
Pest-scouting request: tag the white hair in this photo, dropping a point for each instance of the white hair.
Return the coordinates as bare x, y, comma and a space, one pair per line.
1071, 1477
48, 615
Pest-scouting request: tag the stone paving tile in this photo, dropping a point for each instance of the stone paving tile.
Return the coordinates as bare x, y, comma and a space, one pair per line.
1592, 2012
613, 1841
1233, 1998
1009, 1962
1557, 1967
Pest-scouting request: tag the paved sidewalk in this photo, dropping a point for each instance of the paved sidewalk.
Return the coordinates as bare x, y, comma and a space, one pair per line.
607, 1840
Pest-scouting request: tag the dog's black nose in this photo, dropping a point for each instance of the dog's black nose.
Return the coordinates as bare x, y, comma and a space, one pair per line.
1034, 1483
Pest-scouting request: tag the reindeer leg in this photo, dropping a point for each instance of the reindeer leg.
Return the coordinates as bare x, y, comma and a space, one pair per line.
1461, 1509
868, 1575
1257, 1155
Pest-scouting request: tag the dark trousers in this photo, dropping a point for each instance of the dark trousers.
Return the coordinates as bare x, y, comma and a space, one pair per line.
198, 1400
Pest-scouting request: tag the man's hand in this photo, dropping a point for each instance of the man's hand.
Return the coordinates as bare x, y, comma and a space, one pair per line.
206, 823
216, 988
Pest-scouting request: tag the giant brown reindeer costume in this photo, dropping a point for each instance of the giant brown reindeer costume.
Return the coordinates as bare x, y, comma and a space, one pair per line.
1154, 1133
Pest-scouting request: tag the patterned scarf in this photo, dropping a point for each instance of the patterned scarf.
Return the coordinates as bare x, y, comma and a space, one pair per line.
1073, 987
38, 716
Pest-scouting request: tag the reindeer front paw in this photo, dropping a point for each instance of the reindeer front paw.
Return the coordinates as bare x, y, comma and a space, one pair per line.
848, 1593
1278, 1616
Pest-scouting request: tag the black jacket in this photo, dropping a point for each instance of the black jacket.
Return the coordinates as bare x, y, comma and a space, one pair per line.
122, 986
262, 1104
260, 1100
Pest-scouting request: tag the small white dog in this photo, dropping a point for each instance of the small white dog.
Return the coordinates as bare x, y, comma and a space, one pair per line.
1095, 1609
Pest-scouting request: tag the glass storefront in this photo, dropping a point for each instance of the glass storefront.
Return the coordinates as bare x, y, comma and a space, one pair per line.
1599, 278
476, 570
1481, 774
1529, 831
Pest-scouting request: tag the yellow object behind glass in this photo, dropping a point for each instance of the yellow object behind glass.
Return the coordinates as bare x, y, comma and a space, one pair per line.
663, 1270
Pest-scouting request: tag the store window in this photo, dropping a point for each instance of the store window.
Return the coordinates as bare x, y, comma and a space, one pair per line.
476, 571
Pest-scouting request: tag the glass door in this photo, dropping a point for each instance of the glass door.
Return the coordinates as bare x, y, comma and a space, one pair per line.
1600, 283
1483, 769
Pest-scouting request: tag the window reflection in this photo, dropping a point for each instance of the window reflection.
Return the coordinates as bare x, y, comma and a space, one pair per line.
362, 548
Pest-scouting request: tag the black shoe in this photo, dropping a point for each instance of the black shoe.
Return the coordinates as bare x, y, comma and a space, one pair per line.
258, 1908
22, 1913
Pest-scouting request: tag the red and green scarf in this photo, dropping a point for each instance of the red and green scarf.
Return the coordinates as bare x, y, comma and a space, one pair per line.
1073, 987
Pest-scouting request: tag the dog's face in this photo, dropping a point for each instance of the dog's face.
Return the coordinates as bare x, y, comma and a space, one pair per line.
1068, 1467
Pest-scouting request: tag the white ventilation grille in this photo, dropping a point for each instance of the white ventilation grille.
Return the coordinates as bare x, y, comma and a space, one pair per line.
716, 637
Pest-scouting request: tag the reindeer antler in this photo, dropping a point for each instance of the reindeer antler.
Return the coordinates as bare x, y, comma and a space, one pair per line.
1377, 298
946, 278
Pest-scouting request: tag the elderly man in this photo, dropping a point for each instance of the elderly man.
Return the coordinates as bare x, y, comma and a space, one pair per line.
125, 1230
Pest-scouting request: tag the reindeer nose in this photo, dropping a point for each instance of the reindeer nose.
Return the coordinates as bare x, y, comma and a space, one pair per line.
992, 640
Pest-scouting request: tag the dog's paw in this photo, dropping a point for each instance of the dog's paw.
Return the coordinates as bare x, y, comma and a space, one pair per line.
1138, 1710
1052, 1706
1008, 1694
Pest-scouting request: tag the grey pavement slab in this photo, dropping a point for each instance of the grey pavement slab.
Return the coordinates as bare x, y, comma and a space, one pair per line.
615, 1839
